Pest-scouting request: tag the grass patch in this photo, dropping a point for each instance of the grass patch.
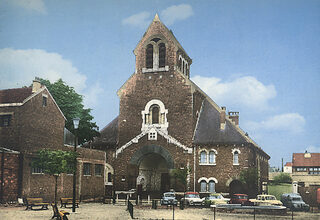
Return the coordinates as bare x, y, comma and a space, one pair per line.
279, 189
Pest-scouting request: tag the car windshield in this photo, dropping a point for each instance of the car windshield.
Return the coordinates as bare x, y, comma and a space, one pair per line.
215, 197
168, 195
270, 198
241, 197
192, 196
296, 199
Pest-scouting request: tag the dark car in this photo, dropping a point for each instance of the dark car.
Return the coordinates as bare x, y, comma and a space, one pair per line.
242, 199
169, 198
294, 202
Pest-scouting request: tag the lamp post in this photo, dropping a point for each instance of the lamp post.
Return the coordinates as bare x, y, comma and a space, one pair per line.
75, 124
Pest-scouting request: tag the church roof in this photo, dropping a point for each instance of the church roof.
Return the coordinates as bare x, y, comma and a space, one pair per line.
15, 95
108, 135
208, 128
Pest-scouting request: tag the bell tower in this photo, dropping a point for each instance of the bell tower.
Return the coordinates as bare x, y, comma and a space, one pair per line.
159, 51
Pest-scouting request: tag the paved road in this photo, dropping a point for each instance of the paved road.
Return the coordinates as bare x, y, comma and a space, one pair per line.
97, 211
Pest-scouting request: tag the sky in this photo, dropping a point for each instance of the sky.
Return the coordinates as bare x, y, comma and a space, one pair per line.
260, 58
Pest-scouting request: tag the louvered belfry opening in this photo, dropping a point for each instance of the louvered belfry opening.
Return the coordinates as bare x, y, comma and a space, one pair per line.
149, 56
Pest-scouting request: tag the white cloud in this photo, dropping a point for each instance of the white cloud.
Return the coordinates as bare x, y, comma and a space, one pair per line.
176, 13
138, 20
31, 5
288, 122
91, 97
19, 67
244, 91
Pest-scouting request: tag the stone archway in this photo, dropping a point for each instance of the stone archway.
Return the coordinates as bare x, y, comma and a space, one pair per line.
153, 163
235, 187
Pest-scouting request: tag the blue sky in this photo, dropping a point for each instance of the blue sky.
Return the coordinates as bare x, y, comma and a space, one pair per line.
257, 57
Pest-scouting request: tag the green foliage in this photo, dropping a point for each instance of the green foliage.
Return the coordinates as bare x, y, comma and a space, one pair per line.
278, 190
181, 175
71, 105
282, 178
249, 177
54, 162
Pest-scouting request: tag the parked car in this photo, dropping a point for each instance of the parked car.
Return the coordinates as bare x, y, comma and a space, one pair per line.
192, 198
294, 202
215, 199
240, 199
265, 200
169, 198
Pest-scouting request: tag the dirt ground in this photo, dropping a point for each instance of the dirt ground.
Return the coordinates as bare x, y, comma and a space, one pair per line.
99, 211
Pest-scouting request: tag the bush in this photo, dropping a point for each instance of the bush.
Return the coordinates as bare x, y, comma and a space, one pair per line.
282, 178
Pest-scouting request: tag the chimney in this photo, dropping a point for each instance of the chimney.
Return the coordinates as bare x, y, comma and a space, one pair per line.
36, 85
223, 118
234, 116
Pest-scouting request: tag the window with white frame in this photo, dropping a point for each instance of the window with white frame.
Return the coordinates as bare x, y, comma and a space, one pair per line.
152, 136
212, 186
235, 153
87, 169
203, 157
212, 157
203, 186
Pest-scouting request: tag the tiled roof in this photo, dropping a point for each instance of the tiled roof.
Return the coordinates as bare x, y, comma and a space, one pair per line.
288, 164
299, 160
108, 135
208, 128
14, 95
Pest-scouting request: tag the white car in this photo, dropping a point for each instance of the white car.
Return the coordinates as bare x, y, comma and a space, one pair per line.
192, 198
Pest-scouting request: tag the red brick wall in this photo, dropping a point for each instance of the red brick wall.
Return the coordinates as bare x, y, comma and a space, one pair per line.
10, 176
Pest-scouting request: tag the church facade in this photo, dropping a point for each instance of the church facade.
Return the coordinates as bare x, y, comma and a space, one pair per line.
167, 122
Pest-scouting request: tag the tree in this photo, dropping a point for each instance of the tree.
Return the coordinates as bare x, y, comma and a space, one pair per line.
71, 106
55, 162
249, 178
282, 178
181, 175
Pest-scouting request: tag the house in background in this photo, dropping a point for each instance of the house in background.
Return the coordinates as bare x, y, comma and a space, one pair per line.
306, 172
167, 122
287, 168
30, 120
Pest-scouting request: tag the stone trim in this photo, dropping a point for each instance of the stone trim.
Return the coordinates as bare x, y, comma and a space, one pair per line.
169, 138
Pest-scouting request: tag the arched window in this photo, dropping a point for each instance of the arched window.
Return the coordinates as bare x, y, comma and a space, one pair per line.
162, 55
203, 186
236, 157
180, 63
203, 157
212, 186
212, 157
155, 114
149, 56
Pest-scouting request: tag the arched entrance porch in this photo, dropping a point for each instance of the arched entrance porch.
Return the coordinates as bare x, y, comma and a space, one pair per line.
153, 164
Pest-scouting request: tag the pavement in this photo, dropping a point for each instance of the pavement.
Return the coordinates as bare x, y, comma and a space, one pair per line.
99, 211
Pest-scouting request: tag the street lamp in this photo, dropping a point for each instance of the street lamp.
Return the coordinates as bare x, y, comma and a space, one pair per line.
75, 125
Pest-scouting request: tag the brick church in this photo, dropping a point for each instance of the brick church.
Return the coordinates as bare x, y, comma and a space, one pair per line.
167, 122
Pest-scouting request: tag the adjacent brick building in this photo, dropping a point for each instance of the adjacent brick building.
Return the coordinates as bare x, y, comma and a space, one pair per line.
31, 120
167, 122
306, 172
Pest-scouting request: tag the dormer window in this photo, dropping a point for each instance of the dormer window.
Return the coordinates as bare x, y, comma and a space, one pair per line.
149, 56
